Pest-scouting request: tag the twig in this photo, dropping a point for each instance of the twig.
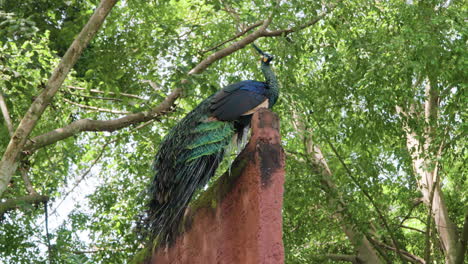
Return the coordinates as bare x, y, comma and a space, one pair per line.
412, 228
94, 97
261, 32
145, 124
233, 12
297, 154
93, 251
97, 108
82, 177
408, 215
110, 93
46, 217
379, 249
240, 34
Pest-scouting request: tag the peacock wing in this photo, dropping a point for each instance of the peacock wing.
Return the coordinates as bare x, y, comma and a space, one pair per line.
207, 138
238, 99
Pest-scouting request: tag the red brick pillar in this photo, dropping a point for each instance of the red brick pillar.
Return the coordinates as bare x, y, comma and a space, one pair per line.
238, 219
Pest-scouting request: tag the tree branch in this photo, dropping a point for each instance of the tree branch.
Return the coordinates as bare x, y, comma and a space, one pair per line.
283, 32
435, 177
92, 251
101, 125
97, 108
349, 258
102, 92
8, 163
6, 115
232, 48
140, 126
15, 203
94, 97
412, 228
152, 84
406, 255
415, 204
23, 169
261, 32
27, 182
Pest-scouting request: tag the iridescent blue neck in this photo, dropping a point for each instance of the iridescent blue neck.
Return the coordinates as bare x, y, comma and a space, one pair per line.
272, 82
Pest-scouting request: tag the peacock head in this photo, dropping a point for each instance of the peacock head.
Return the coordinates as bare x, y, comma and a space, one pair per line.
266, 58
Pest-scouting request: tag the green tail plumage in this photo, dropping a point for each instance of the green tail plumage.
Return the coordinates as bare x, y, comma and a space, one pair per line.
187, 159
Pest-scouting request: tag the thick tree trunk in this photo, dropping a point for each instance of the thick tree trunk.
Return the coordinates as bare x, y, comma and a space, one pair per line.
9, 161
426, 172
424, 158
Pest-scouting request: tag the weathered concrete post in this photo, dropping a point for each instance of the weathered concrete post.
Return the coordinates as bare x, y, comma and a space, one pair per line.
238, 219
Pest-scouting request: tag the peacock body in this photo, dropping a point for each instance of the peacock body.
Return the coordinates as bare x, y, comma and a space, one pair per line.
192, 151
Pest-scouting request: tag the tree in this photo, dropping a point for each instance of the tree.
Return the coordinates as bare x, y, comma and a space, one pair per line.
371, 107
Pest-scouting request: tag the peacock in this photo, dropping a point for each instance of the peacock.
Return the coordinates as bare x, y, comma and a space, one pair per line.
191, 152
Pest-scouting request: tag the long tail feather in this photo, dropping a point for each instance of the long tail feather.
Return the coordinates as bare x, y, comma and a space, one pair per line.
187, 158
